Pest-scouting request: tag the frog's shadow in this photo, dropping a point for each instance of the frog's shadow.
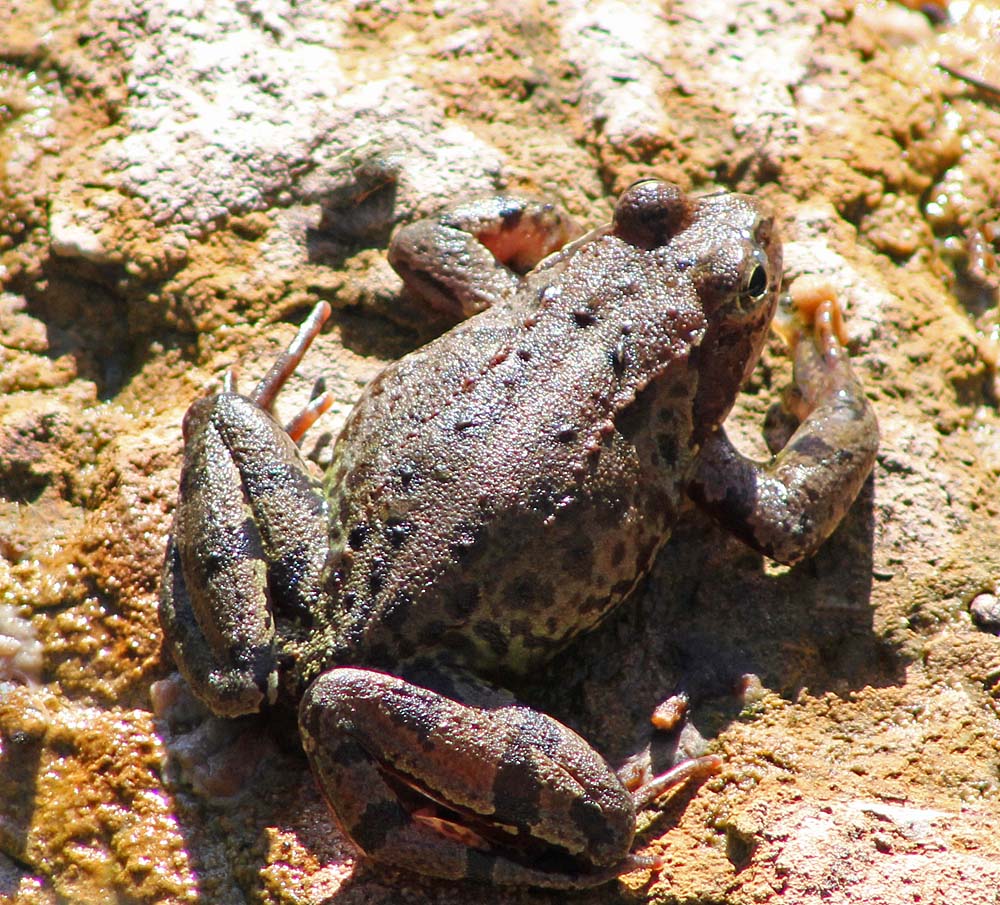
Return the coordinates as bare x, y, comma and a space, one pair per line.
711, 614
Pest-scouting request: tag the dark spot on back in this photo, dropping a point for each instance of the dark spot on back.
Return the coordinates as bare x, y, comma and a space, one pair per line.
377, 575
666, 443
521, 592
491, 634
664, 505
461, 647
579, 557
285, 581
397, 531
519, 798
589, 817
228, 545
595, 603
347, 754
406, 471
621, 588
357, 536
432, 632
462, 602
511, 217
398, 611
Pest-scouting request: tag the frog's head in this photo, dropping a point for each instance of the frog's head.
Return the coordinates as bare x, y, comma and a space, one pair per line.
724, 251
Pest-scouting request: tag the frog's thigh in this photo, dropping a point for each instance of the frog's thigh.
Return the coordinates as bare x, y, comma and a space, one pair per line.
468, 257
502, 770
249, 534
787, 507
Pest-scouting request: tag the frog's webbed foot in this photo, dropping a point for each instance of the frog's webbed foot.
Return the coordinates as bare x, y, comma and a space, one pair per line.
459, 781
249, 542
787, 507
471, 255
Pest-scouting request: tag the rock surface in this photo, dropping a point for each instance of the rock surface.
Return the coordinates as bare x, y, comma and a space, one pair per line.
180, 182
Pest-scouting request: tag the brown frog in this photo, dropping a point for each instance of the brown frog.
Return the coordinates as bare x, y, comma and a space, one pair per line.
493, 495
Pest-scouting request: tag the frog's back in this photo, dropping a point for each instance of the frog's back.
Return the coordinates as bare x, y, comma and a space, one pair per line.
493, 493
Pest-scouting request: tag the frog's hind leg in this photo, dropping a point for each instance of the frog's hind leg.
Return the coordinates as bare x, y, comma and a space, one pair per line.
459, 781
472, 255
248, 545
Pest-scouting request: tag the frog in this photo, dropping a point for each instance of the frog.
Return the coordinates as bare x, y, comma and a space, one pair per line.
493, 495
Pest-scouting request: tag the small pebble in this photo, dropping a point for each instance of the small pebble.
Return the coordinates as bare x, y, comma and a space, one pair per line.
985, 610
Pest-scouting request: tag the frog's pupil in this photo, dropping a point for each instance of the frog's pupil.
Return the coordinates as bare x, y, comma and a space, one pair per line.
758, 282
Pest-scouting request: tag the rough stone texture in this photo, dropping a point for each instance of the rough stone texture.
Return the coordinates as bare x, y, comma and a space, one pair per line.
179, 182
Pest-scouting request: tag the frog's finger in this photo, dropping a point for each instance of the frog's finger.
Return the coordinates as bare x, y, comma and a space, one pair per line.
494, 793
809, 301
695, 768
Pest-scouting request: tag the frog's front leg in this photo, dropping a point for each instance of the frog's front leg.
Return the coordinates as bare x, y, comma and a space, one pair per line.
248, 543
787, 507
443, 775
470, 256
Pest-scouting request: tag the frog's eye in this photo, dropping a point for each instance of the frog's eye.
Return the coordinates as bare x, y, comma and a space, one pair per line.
644, 181
755, 280
649, 212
